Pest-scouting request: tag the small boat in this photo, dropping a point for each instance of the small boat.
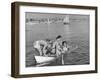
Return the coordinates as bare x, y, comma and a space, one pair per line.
43, 59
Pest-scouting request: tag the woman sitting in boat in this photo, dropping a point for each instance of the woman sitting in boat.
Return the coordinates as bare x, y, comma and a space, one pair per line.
53, 48
47, 50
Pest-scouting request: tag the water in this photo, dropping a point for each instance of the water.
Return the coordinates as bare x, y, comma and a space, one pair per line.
75, 33
79, 56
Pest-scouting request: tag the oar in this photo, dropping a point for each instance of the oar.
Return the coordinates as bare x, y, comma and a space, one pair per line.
62, 56
73, 49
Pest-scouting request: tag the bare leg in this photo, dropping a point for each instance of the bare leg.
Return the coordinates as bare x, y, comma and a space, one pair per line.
44, 51
40, 51
62, 60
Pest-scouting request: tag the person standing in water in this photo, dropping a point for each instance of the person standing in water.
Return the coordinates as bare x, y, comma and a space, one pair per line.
65, 47
64, 50
57, 45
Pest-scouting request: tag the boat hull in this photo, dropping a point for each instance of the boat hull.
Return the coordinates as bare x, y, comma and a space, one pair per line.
44, 59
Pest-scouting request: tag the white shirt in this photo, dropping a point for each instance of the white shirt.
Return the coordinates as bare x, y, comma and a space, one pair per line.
37, 44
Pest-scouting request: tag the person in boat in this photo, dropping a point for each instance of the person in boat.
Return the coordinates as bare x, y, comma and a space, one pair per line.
57, 45
39, 45
47, 50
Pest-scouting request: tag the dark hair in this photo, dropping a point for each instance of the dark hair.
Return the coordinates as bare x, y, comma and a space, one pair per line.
48, 40
59, 36
64, 42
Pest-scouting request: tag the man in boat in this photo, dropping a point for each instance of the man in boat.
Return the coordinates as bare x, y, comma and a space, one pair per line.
39, 45
57, 45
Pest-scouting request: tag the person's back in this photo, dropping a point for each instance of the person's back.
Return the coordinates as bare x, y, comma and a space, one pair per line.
39, 44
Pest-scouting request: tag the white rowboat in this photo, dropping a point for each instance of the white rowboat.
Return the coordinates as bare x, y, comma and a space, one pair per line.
43, 59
